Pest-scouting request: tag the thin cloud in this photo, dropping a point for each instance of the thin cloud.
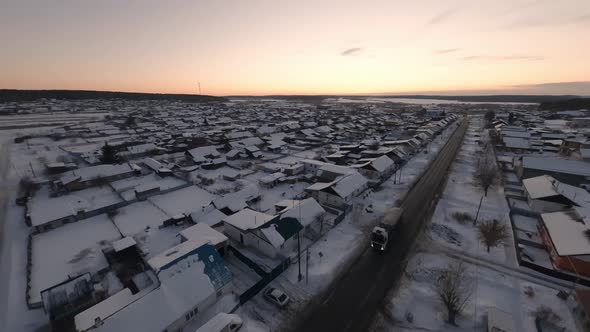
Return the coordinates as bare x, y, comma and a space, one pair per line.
581, 88
352, 51
504, 58
531, 22
441, 17
447, 50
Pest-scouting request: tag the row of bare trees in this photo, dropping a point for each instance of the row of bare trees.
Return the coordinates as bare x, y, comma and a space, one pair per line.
453, 285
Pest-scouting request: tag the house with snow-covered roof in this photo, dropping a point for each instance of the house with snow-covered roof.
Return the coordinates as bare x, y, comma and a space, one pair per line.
273, 235
565, 235
192, 278
572, 172
94, 175
546, 194
202, 154
376, 169
202, 232
340, 192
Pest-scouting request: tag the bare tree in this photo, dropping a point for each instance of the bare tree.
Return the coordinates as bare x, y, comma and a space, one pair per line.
27, 185
454, 288
321, 219
486, 173
492, 233
546, 314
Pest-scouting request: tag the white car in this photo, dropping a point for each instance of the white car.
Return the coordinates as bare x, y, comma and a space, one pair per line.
277, 297
369, 208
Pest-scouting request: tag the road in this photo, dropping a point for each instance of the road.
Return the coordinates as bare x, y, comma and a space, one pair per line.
4, 187
5, 190
354, 299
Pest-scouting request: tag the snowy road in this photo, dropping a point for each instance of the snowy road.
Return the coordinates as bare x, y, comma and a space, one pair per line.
4, 187
354, 300
4, 248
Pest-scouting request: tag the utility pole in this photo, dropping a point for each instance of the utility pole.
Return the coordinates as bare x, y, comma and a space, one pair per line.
299, 276
32, 170
307, 267
477, 214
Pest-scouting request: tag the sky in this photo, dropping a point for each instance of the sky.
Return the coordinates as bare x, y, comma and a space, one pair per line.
263, 47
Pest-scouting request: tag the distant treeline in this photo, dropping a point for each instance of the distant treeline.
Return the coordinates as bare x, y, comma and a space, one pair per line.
484, 99
564, 105
8, 95
490, 98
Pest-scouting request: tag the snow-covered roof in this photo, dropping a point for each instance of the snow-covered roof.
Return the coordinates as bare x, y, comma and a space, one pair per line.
382, 163
305, 211
201, 154
546, 186
104, 309
516, 142
188, 283
123, 243
271, 177
237, 200
185, 200
567, 231
155, 165
203, 232
94, 172
141, 148
163, 260
347, 184
313, 162
210, 216
336, 169
557, 165
246, 142
247, 219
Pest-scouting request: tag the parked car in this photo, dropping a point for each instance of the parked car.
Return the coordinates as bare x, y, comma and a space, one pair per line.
222, 322
369, 208
277, 297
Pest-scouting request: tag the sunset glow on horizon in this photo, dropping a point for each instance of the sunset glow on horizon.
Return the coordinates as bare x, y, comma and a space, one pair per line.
297, 47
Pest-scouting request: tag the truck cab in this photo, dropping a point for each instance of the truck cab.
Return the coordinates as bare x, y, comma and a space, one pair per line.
381, 234
379, 238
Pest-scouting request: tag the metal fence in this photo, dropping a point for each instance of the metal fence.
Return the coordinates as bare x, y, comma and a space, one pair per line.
267, 277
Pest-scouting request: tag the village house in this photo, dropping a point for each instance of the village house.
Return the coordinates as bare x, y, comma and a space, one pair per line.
573, 172
273, 235
339, 192
94, 175
565, 235
546, 194
192, 276
376, 169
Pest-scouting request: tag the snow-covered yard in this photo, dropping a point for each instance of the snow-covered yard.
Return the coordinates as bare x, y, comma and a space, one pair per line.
490, 288
70, 250
462, 195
